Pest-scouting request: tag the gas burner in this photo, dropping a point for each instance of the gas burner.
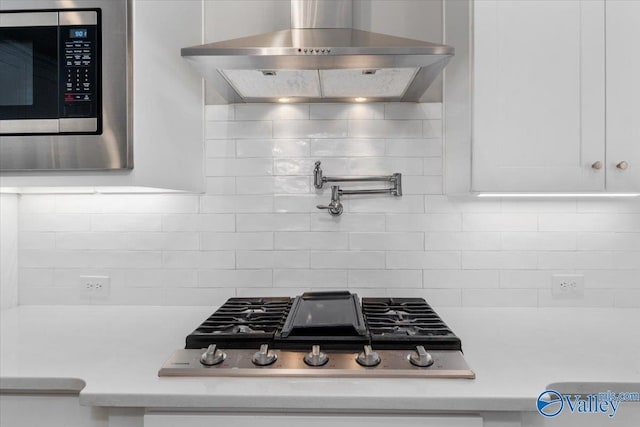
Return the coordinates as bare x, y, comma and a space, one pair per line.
235, 329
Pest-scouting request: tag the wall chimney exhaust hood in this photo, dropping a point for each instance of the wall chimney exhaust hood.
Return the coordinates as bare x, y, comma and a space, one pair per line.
320, 59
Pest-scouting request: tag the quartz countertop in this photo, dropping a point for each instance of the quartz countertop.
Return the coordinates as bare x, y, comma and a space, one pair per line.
111, 356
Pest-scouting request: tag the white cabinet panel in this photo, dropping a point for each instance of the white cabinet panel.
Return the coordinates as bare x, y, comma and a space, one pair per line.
51, 410
208, 420
623, 94
538, 107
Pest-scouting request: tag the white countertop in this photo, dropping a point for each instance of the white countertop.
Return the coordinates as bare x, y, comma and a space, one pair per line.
112, 355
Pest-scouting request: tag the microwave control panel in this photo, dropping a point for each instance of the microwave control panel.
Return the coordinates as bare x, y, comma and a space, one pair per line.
79, 65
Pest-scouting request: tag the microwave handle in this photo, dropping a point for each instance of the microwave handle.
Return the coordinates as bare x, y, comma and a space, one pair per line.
28, 19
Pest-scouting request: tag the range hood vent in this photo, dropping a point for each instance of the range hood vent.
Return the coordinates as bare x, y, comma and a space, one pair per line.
320, 59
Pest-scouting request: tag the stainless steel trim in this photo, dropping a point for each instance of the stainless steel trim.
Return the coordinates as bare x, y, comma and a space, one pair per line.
321, 14
78, 18
394, 364
78, 125
28, 19
29, 126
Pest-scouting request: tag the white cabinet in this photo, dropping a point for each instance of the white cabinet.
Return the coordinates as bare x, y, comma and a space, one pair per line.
623, 94
51, 410
168, 107
263, 420
538, 95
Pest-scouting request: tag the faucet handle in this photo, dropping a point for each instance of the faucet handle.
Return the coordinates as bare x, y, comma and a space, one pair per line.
334, 210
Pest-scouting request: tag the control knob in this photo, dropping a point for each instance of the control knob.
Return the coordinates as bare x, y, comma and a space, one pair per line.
316, 357
212, 356
368, 357
264, 357
420, 357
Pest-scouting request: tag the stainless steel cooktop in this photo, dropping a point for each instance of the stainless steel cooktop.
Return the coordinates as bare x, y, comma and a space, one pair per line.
322, 334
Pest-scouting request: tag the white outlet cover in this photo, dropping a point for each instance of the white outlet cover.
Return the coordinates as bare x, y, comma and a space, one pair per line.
567, 286
95, 287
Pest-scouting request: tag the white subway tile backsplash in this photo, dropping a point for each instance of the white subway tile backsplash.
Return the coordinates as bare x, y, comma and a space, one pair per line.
177, 241
272, 112
385, 128
220, 148
54, 222
347, 259
408, 110
198, 259
627, 298
235, 278
201, 222
466, 241
236, 204
239, 167
283, 129
609, 241
432, 166
461, 279
347, 147
222, 241
499, 222
240, 129
37, 203
219, 112
385, 278
291, 185
300, 203
272, 148
423, 260
311, 241
538, 241
413, 147
499, 260
322, 221
272, 222
347, 111
432, 128
423, 222
220, 185
617, 222
272, 259
125, 222
91, 240
311, 278
254, 184
257, 231
366, 204
36, 240
136, 204
395, 241
422, 185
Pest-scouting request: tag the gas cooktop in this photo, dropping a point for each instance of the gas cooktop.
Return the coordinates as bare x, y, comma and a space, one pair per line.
322, 334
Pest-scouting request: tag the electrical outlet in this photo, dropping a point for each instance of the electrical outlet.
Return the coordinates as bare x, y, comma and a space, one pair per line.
568, 286
95, 286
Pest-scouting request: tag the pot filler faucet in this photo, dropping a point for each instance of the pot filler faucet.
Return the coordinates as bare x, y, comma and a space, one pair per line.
335, 207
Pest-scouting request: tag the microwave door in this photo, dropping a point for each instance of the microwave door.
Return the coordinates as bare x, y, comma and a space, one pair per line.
29, 73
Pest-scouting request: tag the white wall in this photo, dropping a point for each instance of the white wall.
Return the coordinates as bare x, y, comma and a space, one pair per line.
257, 232
8, 250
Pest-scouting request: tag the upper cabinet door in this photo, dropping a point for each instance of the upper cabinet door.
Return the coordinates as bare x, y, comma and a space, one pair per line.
623, 95
539, 95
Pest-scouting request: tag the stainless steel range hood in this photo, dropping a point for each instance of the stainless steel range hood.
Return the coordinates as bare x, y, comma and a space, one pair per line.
320, 59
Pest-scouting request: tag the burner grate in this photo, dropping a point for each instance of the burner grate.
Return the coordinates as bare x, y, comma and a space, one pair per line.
242, 323
406, 323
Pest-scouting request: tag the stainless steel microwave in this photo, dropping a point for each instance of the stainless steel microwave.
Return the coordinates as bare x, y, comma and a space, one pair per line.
65, 85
